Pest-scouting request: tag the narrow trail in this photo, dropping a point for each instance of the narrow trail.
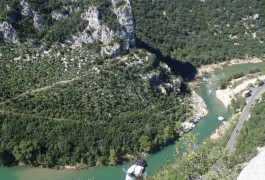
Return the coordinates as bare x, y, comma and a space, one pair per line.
49, 118
45, 88
35, 116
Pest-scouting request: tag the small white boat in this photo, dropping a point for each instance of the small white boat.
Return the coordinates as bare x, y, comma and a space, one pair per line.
220, 118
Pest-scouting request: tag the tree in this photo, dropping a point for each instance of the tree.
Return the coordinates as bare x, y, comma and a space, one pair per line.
113, 157
168, 134
178, 127
145, 143
259, 82
6, 158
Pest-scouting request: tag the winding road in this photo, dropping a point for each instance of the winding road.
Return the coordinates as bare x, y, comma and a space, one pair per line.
244, 116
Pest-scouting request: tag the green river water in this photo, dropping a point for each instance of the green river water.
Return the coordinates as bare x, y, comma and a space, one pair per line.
204, 129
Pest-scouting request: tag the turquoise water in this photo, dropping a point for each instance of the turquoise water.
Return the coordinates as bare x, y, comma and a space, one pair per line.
204, 128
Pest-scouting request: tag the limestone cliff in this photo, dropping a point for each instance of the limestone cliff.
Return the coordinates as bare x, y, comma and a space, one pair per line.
8, 33
255, 168
110, 25
113, 40
124, 14
28, 12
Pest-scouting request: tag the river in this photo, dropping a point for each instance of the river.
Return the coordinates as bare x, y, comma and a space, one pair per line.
204, 129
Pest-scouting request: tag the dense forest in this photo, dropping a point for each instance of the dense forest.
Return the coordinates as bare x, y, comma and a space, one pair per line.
64, 105
54, 30
202, 32
212, 160
90, 112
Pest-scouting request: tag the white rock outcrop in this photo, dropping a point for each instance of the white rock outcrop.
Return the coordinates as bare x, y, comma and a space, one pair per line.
125, 17
97, 31
187, 126
111, 50
8, 33
199, 107
28, 12
255, 168
256, 16
56, 15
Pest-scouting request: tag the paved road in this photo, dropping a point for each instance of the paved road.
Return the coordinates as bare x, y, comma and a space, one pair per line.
231, 143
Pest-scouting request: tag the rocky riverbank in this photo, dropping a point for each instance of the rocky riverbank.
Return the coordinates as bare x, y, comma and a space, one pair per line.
199, 107
220, 131
199, 110
224, 127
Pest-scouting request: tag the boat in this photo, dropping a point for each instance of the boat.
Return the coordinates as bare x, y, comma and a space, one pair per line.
220, 118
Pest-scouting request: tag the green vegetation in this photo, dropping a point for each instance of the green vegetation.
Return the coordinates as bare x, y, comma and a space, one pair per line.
259, 82
226, 81
61, 106
201, 32
252, 135
108, 17
238, 103
212, 160
54, 30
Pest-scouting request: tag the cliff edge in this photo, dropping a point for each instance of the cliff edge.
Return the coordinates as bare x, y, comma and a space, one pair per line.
255, 168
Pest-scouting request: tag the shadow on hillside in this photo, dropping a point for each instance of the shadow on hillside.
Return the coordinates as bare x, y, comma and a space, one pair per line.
186, 70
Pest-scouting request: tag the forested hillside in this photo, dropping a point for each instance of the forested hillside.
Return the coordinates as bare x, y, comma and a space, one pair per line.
202, 32
67, 106
96, 81
58, 19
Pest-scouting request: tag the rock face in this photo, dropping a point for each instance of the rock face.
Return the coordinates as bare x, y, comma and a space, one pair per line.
56, 15
28, 12
124, 14
199, 107
112, 39
164, 79
255, 168
256, 17
8, 33
96, 31
187, 126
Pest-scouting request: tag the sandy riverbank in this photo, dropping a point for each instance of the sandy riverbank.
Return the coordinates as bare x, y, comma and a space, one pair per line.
226, 95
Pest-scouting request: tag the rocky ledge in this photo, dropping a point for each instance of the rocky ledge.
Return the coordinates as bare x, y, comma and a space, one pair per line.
199, 107
255, 169
8, 33
96, 31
